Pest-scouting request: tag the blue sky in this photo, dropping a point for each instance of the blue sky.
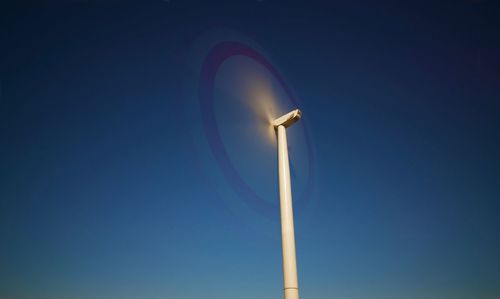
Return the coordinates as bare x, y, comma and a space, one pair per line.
109, 189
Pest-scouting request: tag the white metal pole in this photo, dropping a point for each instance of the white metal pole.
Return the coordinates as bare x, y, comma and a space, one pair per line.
291, 285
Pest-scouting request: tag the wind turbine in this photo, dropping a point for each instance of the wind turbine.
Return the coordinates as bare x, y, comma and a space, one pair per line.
291, 284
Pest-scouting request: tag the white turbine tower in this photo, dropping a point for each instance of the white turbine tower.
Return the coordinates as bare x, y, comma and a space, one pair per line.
291, 284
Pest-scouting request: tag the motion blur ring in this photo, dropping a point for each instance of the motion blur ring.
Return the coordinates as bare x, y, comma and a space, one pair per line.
211, 64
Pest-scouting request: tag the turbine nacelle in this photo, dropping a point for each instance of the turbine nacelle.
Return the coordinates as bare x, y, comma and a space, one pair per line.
287, 119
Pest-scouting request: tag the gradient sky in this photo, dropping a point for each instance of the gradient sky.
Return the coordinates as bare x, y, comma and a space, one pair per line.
104, 192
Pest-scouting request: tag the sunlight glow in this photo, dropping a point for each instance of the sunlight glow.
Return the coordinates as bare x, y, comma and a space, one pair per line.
261, 100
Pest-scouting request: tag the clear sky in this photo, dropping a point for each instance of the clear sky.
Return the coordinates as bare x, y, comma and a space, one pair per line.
109, 187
